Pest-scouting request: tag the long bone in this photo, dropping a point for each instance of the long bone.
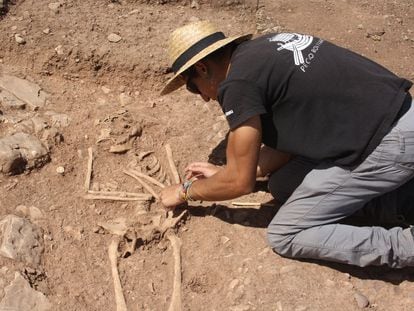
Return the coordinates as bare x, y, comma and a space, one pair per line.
176, 304
113, 257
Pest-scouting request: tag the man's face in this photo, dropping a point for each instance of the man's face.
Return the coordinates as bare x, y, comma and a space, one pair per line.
200, 83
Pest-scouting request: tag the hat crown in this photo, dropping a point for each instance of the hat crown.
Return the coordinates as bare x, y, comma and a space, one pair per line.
185, 37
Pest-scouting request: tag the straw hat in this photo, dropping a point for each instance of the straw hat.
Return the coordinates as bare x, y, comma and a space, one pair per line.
191, 43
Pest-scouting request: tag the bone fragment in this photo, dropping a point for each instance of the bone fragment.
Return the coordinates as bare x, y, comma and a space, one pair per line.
143, 197
253, 204
119, 295
172, 164
176, 304
130, 248
89, 169
144, 184
119, 193
142, 155
246, 203
117, 226
148, 178
171, 222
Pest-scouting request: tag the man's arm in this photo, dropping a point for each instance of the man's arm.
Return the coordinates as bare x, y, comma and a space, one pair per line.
237, 178
270, 160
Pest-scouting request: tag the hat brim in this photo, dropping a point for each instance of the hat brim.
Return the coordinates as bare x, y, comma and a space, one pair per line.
176, 81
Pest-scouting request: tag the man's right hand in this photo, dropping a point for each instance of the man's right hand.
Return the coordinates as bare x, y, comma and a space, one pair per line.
201, 170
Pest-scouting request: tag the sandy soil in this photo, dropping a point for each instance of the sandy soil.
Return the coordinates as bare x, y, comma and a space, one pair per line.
226, 262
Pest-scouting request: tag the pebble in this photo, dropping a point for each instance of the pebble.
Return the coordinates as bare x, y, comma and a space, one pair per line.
46, 31
113, 37
34, 213
224, 239
361, 300
195, 5
279, 306
19, 39
59, 50
54, 6
60, 170
125, 99
105, 89
234, 283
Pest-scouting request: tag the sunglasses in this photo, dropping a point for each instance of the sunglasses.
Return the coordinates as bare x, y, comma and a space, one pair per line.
191, 87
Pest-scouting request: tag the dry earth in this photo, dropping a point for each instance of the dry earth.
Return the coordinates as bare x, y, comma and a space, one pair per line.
105, 90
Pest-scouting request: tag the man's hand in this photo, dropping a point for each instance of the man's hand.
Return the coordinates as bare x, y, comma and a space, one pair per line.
170, 196
200, 170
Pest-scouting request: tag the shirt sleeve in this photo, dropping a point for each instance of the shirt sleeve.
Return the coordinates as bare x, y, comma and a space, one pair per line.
240, 100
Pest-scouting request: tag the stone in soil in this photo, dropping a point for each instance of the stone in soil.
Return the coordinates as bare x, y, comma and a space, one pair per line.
19, 39
24, 90
9, 101
113, 37
20, 296
21, 240
361, 300
21, 151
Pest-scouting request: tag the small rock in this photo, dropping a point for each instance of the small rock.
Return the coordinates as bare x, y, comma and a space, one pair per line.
21, 151
14, 28
279, 306
46, 31
195, 5
21, 240
59, 50
375, 35
224, 240
10, 101
60, 120
113, 37
125, 99
233, 284
75, 233
97, 229
26, 91
19, 39
105, 89
54, 6
35, 213
20, 296
60, 170
22, 210
360, 26
120, 148
135, 131
361, 300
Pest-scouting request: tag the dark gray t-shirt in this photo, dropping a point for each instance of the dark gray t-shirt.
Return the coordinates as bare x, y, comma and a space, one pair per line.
315, 99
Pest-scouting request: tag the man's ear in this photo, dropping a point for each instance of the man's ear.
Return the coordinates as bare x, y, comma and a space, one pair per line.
202, 69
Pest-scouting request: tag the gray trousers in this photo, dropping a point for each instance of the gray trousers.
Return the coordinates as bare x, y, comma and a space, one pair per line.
318, 197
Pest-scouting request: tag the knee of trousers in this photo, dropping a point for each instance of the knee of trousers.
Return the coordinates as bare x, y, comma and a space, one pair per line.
280, 239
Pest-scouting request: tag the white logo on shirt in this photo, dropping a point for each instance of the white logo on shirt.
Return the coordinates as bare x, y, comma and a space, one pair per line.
230, 112
293, 42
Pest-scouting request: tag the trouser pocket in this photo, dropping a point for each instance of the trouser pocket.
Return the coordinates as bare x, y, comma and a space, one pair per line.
405, 158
